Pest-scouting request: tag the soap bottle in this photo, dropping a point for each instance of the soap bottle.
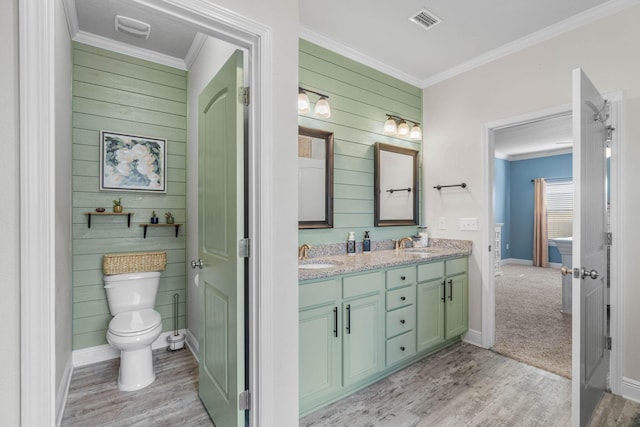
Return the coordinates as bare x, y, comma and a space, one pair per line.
366, 243
424, 236
351, 243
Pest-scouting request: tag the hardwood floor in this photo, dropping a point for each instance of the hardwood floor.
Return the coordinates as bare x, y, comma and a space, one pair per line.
461, 386
172, 400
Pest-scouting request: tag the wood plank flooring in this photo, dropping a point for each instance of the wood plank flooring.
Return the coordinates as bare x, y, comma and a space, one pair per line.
461, 386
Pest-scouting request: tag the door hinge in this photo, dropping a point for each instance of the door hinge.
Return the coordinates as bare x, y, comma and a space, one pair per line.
244, 248
489, 248
244, 401
244, 95
608, 238
607, 343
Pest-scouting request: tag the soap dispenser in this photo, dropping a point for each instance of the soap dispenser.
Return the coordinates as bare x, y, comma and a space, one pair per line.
366, 243
351, 243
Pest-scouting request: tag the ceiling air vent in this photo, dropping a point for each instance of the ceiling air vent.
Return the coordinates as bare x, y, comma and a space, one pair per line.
425, 19
133, 27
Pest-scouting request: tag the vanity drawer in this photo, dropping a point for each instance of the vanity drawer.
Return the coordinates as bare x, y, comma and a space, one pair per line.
456, 266
362, 284
430, 271
401, 277
401, 297
401, 347
318, 293
401, 320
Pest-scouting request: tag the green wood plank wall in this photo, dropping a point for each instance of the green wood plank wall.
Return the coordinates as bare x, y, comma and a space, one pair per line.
119, 93
359, 97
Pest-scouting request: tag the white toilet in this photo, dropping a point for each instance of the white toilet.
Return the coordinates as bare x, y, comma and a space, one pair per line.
135, 325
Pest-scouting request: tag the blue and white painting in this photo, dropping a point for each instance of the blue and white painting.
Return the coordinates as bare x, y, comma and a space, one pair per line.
129, 162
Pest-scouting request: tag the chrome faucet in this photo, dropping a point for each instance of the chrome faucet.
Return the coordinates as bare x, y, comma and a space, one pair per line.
303, 251
401, 244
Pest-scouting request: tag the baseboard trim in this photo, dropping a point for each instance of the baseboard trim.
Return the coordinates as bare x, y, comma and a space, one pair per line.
630, 389
100, 353
473, 337
63, 391
193, 345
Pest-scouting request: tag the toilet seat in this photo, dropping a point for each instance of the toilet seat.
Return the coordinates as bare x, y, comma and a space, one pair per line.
134, 322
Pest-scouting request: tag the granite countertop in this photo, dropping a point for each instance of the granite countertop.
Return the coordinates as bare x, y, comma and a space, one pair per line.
344, 264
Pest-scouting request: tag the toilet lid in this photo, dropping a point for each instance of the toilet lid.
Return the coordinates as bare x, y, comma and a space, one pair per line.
134, 322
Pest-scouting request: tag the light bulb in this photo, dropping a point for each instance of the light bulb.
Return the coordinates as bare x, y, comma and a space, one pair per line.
322, 109
416, 132
389, 127
304, 106
403, 129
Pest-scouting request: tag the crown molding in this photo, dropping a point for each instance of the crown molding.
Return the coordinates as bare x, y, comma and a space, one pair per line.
126, 49
327, 43
576, 21
198, 41
72, 16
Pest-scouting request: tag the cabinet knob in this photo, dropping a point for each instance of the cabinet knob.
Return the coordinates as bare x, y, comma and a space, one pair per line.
403, 277
403, 298
402, 321
402, 348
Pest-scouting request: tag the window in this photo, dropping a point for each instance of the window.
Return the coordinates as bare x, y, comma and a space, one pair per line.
559, 209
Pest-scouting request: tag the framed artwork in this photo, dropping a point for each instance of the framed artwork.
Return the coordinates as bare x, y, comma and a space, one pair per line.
132, 163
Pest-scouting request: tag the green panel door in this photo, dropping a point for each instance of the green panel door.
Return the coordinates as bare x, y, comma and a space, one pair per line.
320, 350
221, 225
430, 317
364, 339
456, 320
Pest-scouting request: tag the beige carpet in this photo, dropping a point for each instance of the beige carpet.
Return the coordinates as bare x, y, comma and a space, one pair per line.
529, 325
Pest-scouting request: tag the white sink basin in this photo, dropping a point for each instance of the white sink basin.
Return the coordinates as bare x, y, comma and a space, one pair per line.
318, 265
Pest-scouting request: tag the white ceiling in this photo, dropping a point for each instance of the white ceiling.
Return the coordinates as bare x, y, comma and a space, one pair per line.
379, 34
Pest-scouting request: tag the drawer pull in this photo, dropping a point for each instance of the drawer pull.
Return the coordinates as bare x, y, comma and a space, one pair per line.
402, 321
403, 277
403, 298
402, 348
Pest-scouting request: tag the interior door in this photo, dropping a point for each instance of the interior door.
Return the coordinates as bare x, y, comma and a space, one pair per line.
589, 367
221, 226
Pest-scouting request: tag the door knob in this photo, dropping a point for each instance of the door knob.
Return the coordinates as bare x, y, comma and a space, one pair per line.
593, 273
564, 270
195, 264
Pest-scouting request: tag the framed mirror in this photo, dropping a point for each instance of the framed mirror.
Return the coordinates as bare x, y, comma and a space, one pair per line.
396, 185
315, 178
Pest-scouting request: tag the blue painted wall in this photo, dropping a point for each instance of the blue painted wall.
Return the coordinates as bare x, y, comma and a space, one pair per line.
502, 203
513, 201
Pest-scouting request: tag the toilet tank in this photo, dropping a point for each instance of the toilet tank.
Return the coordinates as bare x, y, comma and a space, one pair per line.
131, 291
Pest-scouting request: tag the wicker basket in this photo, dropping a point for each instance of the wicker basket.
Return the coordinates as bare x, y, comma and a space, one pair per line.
133, 262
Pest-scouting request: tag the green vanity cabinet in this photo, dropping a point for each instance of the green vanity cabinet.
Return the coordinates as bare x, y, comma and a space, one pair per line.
400, 314
363, 326
442, 308
320, 344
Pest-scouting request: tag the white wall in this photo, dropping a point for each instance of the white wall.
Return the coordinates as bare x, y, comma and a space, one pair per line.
10, 218
533, 79
212, 56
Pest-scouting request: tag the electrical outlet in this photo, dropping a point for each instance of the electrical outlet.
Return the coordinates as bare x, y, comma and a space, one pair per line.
468, 224
442, 223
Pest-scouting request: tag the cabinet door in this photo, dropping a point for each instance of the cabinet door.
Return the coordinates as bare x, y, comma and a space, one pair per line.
319, 353
364, 338
430, 307
456, 320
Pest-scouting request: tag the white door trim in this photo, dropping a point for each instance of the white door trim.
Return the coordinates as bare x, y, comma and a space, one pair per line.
617, 189
37, 121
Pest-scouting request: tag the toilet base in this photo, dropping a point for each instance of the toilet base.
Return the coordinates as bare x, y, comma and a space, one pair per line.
136, 369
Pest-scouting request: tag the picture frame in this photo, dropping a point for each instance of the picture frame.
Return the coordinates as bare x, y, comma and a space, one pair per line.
132, 163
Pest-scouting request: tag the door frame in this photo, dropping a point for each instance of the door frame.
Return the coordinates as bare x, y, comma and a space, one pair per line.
37, 251
617, 208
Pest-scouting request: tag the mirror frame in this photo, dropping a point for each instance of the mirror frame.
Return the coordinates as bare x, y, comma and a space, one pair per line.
328, 216
379, 173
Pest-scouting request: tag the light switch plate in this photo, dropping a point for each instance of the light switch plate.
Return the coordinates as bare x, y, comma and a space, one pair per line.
442, 223
468, 224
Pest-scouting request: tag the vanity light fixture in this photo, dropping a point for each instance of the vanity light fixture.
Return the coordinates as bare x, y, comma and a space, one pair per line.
396, 125
322, 108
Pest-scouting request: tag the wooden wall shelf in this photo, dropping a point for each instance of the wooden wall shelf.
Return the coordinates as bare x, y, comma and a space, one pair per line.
177, 226
128, 214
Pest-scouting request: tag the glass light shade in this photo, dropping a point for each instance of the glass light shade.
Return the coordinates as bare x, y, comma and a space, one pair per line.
403, 129
304, 106
322, 109
415, 133
389, 127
